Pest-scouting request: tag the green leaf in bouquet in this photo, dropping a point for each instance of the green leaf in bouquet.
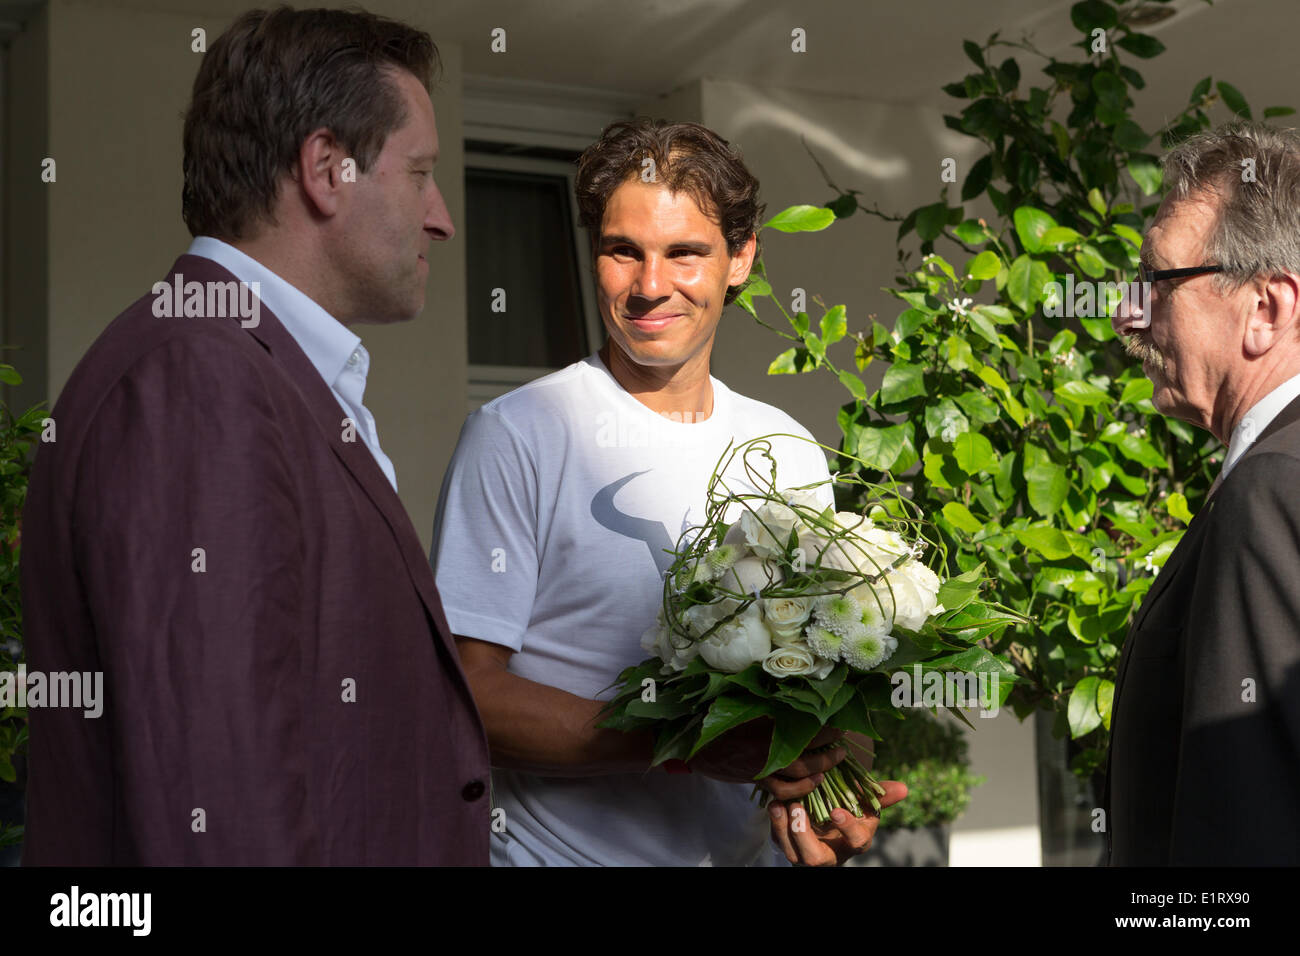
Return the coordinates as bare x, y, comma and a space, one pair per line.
674, 741
665, 706
726, 712
709, 689
751, 678
830, 685
854, 717
793, 733
957, 592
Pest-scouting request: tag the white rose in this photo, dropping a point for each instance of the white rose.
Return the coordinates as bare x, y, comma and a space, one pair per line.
751, 574
786, 617
915, 588
854, 522
792, 660
767, 530
742, 641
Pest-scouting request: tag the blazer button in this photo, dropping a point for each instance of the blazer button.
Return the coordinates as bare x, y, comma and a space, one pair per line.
472, 790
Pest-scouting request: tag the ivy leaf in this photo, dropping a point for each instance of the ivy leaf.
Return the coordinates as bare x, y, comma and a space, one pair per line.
833, 325
1082, 392
959, 590
1051, 543
1083, 714
1176, 505
1146, 172
801, 219
791, 361
727, 712
794, 731
1141, 45
970, 232
1141, 451
1031, 223
902, 382
986, 265
854, 384
1130, 137
1139, 389
944, 420
974, 453
879, 445
1026, 282
930, 221
1233, 99
977, 180
1091, 14
1090, 261
1097, 201
959, 517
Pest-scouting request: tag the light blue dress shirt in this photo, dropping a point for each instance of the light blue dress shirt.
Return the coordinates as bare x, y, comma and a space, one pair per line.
337, 353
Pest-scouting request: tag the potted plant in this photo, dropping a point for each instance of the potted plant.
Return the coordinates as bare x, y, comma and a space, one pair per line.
930, 756
17, 434
1007, 401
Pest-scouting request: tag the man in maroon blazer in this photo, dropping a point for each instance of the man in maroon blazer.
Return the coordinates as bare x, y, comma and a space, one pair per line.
216, 528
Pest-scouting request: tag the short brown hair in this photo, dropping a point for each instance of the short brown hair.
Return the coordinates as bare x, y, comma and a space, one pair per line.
269, 81
687, 158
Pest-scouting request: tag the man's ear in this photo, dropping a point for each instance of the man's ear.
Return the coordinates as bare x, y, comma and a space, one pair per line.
742, 262
1275, 313
319, 171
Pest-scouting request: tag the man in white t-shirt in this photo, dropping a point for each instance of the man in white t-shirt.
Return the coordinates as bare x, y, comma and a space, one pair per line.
559, 509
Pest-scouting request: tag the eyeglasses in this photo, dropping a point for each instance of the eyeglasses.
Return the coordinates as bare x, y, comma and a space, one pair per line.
1155, 275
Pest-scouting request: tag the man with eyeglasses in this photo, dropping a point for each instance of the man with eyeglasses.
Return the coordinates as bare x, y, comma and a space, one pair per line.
1204, 762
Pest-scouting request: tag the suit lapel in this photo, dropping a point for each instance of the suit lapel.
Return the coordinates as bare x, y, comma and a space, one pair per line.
355, 455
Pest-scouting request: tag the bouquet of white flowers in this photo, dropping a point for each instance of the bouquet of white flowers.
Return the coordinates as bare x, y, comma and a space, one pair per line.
781, 608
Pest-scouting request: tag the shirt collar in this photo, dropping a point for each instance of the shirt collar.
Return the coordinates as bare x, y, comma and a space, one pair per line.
1254, 422
325, 340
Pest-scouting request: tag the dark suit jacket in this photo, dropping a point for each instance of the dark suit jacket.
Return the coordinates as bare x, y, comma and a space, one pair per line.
227, 736
1199, 772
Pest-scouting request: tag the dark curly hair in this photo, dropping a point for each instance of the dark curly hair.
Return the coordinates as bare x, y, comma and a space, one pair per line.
687, 158
271, 79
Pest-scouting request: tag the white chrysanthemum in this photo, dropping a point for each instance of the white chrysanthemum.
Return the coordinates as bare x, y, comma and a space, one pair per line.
837, 612
717, 562
877, 607
825, 644
868, 651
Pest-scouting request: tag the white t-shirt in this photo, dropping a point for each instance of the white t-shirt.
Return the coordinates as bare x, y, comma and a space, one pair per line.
552, 523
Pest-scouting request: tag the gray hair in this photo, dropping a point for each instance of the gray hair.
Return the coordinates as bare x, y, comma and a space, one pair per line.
1254, 171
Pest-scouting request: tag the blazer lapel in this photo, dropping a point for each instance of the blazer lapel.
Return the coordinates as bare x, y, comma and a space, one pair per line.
355, 455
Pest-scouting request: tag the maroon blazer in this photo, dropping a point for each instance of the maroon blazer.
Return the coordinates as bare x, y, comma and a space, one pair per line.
288, 695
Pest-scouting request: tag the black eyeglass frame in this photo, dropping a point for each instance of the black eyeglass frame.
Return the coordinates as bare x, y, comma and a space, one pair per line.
1155, 275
